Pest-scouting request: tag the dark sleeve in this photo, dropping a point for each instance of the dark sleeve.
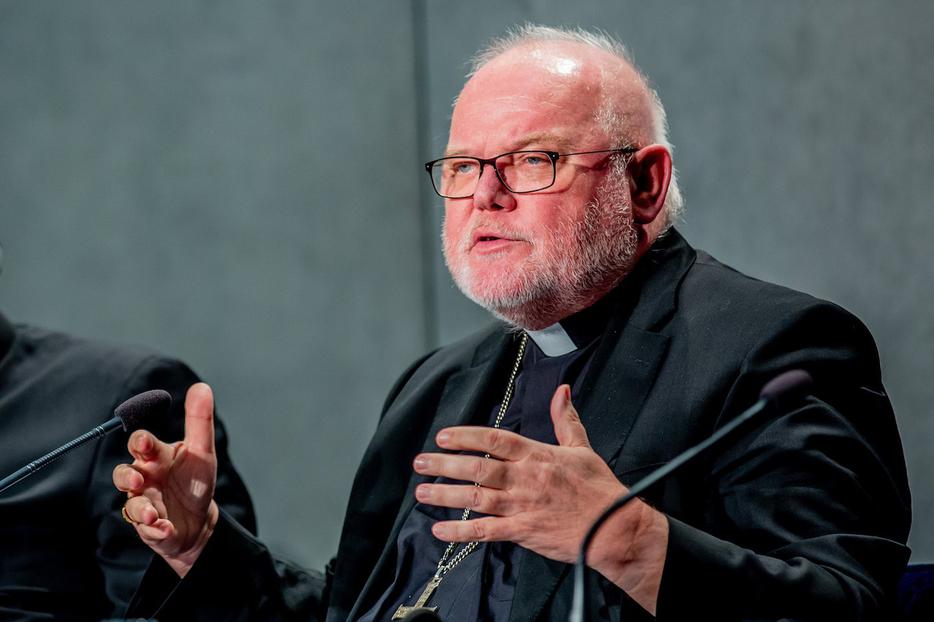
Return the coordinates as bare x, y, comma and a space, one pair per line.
806, 516
121, 556
235, 579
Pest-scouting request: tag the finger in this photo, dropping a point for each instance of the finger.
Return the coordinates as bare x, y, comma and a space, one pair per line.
145, 447
569, 430
141, 510
199, 418
477, 498
487, 471
128, 479
502, 444
487, 529
160, 530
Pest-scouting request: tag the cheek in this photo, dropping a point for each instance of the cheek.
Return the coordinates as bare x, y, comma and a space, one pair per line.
553, 226
452, 228
447, 232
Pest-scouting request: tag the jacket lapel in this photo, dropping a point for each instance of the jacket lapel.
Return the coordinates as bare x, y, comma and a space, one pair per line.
633, 348
624, 368
612, 398
460, 400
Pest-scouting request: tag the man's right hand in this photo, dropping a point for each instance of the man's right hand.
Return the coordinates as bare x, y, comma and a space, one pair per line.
170, 487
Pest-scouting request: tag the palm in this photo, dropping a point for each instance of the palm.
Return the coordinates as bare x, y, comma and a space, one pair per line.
171, 486
181, 494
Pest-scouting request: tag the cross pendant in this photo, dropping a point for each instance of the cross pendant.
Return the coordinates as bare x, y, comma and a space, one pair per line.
403, 611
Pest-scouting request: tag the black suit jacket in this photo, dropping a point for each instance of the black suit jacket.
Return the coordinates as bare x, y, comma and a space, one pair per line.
804, 517
65, 550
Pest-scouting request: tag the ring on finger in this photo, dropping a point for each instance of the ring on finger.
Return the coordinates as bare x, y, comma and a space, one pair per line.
127, 517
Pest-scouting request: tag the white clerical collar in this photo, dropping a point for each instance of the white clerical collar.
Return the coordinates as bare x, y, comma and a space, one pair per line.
553, 341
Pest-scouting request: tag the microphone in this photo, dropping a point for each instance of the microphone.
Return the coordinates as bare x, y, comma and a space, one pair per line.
780, 392
129, 415
421, 614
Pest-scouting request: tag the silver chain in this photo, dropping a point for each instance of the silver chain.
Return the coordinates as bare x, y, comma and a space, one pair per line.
444, 568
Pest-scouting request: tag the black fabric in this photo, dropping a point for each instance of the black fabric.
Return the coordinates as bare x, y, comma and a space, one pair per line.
482, 586
916, 594
805, 517
65, 550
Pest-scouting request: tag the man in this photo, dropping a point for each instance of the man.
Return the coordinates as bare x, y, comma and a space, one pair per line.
559, 198
54, 387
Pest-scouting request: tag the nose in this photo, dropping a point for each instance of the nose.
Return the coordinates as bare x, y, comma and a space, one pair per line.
491, 194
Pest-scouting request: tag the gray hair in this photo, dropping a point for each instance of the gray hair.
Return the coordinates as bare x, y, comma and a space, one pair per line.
608, 116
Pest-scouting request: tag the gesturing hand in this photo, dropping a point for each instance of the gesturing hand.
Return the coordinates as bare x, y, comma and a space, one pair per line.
544, 498
171, 486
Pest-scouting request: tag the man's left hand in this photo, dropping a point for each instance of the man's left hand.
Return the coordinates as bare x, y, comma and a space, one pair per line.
544, 498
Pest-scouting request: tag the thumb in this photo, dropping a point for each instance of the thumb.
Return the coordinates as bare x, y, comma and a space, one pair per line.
199, 418
569, 430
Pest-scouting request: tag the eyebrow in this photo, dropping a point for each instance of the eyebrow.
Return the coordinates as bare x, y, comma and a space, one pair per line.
554, 141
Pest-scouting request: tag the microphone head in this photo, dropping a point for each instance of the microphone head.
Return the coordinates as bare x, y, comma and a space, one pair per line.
133, 412
788, 387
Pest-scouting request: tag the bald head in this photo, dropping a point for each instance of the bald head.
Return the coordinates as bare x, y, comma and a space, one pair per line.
627, 109
616, 96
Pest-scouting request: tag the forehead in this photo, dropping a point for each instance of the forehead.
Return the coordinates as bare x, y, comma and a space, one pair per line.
548, 96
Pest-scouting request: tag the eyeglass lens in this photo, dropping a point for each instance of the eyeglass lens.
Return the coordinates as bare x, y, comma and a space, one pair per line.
525, 171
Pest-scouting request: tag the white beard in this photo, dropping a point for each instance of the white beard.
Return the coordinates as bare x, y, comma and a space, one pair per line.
583, 261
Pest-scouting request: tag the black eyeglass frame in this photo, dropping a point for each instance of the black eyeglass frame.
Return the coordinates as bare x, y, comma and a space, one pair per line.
553, 155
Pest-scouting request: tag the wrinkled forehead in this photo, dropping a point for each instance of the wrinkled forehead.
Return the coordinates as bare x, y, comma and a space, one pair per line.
529, 91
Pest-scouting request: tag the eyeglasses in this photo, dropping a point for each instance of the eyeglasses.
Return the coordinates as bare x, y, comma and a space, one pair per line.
521, 172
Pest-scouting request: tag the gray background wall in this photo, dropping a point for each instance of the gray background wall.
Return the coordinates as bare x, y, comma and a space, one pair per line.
239, 184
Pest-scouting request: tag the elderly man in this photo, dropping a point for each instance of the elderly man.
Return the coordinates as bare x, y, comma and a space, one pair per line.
559, 200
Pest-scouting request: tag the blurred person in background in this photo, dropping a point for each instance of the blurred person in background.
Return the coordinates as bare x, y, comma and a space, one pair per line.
66, 551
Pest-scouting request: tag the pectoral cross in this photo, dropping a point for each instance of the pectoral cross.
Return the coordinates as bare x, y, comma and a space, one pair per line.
403, 611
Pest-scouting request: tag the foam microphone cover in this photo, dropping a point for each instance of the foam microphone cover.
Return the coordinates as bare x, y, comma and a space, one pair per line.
787, 388
135, 411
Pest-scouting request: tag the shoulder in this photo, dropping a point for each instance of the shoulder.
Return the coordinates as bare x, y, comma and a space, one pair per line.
735, 333
91, 376
745, 310
713, 285
93, 357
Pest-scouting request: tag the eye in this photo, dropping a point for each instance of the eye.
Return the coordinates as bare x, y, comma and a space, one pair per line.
533, 160
460, 167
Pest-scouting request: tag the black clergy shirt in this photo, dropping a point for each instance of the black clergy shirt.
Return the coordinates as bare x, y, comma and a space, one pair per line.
482, 585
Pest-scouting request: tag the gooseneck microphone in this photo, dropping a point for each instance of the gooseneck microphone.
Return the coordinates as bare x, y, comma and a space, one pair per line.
129, 415
781, 391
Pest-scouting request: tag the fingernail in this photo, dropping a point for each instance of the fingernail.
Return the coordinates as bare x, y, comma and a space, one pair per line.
423, 493
440, 531
443, 437
567, 393
421, 463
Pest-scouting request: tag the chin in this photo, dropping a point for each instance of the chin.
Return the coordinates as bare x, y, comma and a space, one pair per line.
521, 298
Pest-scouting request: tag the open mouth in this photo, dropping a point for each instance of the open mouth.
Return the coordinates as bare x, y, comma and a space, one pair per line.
491, 244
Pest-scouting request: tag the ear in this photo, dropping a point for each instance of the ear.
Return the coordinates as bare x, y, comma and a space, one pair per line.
649, 174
